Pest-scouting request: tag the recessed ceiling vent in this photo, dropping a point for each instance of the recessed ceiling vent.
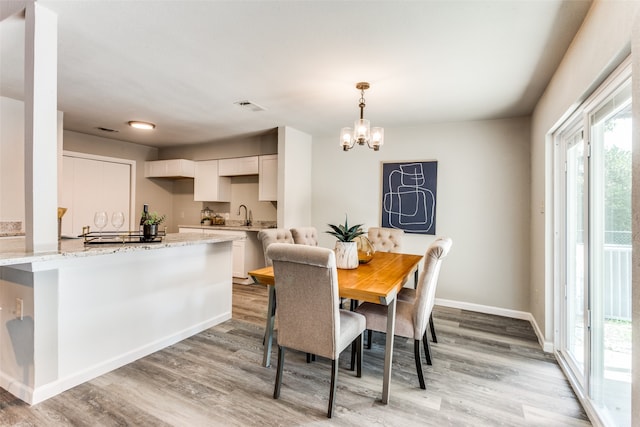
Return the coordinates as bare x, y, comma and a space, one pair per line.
249, 106
107, 129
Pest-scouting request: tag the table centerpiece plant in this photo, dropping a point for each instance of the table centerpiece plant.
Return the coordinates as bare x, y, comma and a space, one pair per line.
346, 248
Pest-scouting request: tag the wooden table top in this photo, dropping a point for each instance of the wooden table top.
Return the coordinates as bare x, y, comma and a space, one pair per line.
378, 281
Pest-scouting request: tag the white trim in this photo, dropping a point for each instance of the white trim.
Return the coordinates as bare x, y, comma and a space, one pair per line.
587, 404
39, 394
547, 346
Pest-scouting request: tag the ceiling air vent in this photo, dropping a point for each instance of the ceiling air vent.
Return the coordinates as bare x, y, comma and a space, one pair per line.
106, 129
249, 106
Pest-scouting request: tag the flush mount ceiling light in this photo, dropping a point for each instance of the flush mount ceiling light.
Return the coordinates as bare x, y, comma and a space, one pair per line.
361, 132
142, 125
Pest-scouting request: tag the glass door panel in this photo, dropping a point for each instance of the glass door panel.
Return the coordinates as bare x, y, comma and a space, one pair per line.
575, 303
610, 258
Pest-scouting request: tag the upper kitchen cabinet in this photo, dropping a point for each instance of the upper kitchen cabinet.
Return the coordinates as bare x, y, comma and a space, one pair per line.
208, 185
175, 168
268, 178
238, 166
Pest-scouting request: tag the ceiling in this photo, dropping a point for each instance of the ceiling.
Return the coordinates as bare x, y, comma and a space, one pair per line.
183, 64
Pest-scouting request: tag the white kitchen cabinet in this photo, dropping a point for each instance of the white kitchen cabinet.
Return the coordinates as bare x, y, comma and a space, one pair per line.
268, 178
238, 166
238, 259
174, 168
208, 186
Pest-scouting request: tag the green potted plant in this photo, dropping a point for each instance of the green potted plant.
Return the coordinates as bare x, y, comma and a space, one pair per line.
150, 222
346, 248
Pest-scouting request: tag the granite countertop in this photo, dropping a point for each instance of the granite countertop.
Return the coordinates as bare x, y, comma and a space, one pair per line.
12, 250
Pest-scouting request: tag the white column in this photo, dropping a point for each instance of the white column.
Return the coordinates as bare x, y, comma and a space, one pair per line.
41, 132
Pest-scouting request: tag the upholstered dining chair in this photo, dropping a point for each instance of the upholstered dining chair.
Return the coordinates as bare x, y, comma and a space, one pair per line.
409, 295
412, 317
309, 318
385, 239
273, 235
305, 236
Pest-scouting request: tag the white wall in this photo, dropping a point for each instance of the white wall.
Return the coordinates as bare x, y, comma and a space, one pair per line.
482, 201
12, 172
11, 160
294, 178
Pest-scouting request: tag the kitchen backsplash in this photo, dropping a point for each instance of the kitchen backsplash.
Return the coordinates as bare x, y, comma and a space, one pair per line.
11, 228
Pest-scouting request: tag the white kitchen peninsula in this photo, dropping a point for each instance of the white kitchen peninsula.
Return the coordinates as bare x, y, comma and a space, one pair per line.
74, 314
247, 249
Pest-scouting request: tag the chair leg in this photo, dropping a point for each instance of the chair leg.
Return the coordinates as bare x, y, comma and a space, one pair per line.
427, 348
276, 390
433, 330
360, 344
415, 279
354, 351
416, 351
334, 383
369, 338
271, 319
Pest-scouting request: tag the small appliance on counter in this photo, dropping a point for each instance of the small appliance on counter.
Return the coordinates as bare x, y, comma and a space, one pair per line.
208, 217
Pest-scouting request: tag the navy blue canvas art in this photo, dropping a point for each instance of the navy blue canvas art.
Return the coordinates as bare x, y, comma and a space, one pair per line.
409, 196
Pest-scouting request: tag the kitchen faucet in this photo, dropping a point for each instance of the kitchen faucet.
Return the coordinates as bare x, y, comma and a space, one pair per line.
247, 214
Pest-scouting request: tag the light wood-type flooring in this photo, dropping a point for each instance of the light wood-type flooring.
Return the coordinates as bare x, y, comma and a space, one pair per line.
487, 371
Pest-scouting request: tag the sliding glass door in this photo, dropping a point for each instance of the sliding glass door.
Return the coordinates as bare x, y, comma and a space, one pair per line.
575, 286
610, 255
594, 288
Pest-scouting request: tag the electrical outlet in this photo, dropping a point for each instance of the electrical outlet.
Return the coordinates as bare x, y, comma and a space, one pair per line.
19, 311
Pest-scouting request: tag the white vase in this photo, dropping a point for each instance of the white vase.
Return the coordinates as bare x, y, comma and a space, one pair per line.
346, 255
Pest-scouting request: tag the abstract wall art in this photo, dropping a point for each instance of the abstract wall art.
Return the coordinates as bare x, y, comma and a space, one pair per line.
409, 196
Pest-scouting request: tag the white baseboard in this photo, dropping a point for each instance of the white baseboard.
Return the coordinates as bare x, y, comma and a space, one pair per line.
39, 394
546, 346
19, 390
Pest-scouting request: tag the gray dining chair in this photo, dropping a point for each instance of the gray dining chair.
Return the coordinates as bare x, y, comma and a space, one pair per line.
273, 235
305, 236
385, 239
412, 317
309, 319
409, 295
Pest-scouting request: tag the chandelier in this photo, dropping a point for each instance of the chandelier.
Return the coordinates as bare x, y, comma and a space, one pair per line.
362, 133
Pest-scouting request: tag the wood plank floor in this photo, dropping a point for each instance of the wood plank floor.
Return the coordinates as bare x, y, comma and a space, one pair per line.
487, 371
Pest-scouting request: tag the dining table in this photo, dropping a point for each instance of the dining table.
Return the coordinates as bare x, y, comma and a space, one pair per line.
378, 281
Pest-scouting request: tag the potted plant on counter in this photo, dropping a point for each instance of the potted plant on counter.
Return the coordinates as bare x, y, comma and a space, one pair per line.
150, 222
346, 248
